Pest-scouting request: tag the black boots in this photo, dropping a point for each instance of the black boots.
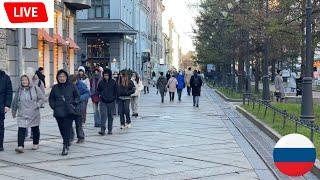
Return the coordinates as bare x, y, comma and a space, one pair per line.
65, 150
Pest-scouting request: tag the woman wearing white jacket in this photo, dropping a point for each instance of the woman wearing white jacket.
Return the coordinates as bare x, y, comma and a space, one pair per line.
135, 97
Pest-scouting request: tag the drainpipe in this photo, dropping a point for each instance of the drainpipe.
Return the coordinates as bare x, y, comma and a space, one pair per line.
20, 51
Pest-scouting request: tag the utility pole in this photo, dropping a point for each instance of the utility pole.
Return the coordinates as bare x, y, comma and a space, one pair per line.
307, 113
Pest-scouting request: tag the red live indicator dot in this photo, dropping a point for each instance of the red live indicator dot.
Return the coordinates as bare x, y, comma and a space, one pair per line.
26, 12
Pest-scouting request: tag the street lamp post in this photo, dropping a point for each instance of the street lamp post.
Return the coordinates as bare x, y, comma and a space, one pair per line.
307, 113
266, 90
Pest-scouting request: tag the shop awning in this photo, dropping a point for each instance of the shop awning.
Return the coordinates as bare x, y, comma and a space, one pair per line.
60, 40
43, 35
72, 44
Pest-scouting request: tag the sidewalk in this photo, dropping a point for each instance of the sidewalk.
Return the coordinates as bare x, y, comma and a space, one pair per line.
169, 141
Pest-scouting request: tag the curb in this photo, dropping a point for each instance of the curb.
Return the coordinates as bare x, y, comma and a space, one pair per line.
272, 134
226, 98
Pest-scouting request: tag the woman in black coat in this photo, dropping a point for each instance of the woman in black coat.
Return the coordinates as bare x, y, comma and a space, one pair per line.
196, 83
125, 89
63, 97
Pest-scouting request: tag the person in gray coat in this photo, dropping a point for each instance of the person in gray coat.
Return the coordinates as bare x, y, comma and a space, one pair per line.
162, 86
26, 109
278, 83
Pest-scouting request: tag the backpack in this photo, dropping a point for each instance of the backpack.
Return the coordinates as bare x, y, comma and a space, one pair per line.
196, 81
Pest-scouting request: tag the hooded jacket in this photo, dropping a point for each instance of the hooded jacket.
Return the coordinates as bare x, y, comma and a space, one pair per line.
5, 92
61, 94
161, 84
107, 89
26, 105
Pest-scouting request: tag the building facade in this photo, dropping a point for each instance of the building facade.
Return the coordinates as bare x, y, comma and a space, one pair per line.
106, 34
52, 49
175, 54
157, 48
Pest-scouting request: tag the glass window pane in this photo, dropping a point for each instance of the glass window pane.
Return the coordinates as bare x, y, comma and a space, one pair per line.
91, 13
106, 11
98, 11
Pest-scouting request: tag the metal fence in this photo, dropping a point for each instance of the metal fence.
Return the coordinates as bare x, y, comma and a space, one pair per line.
265, 106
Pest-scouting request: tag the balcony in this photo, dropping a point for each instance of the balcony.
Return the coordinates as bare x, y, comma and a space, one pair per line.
78, 4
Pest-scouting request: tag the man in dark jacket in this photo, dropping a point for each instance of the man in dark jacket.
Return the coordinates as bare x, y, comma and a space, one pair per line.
5, 101
162, 86
196, 83
107, 90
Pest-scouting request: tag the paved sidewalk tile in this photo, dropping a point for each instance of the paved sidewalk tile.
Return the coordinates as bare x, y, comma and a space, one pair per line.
168, 141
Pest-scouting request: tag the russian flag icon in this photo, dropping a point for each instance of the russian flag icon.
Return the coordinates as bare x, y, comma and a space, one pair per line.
294, 155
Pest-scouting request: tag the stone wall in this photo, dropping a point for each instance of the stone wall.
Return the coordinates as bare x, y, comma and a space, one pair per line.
3, 50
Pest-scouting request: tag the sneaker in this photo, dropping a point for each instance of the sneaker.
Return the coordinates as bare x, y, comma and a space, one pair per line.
110, 132
194, 105
128, 125
19, 150
35, 147
80, 141
102, 133
197, 105
122, 127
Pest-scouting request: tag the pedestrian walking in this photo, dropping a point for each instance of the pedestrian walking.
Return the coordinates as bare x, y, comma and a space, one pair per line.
172, 87
135, 97
41, 76
154, 78
38, 82
146, 83
195, 84
116, 77
107, 90
63, 99
94, 82
278, 83
181, 84
162, 86
26, 108
292, 82
84, 96
187, 77
5, 102
168, 75
125, 89
82, 76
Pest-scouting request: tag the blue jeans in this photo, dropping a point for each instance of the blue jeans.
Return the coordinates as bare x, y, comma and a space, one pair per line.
97, 116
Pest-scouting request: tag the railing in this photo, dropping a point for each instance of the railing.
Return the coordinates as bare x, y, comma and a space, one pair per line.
262, 105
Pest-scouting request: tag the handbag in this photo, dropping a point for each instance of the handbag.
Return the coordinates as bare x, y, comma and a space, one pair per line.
71, 109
